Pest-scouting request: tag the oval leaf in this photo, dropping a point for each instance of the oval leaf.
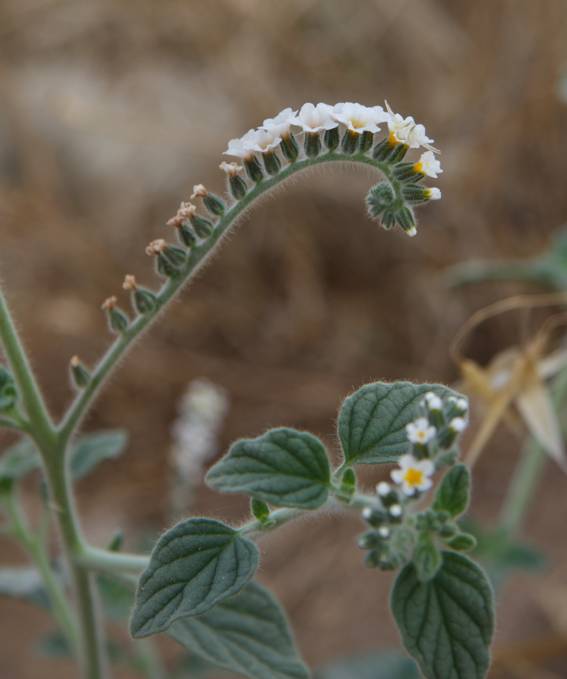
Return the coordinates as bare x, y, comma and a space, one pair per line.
372, 421
454, 492
247, 633
19, 460
284, 467
193, 566
92, 449
447, 623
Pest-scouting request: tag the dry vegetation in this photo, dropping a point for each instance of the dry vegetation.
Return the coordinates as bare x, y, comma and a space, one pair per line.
111, 110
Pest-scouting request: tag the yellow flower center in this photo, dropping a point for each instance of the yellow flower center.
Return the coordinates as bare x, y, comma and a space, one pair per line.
392, 139
356, 123
418, 167
413, 477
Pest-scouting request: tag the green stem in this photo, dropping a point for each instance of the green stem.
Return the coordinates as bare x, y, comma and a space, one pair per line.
195, 261
528, 471
114, 562
36, 550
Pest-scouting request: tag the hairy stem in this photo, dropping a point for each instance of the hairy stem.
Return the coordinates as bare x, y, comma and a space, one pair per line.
197, 258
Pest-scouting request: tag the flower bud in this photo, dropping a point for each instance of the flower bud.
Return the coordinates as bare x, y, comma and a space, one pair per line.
374, 517
406, 219
80, 376
271, 162
118, 320
348, 484
407, 172
212, 202
8, 392
169, 258
289, 147
237, 185
259, 510
350, 142
312, 144
366, 141
253, 169
144, 301
379, 199
116, 542
369, 540
332, 138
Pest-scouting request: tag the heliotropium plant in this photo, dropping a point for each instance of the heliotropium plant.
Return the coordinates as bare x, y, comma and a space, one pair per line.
198, 584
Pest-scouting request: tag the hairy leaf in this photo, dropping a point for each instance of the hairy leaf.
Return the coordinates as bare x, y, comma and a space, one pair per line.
284, 467
453, 493
92, 449
447, 623
24, 583
247, 634
427, 559
194, 565
18, 460
372, 421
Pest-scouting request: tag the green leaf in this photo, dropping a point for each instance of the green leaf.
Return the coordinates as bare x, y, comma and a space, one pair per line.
447, 623
372, 421
194, 565
284, 467
462, 542
380, 665
92, 449
247, 633
453, 493
18, 460
25, 584
427, 559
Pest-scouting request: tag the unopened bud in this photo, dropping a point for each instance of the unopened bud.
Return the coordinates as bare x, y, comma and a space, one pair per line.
117, 319
144, 300
8, 392
253, 169
312, 144
379, 199
260, 510
350, 141
289, 147
332, 138
79, 374
406, 219
237, 185
366, 141
271, 162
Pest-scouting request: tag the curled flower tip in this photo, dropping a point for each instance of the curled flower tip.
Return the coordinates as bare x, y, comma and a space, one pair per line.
154, 248
129, 282
199, 191
109, 303
231, 169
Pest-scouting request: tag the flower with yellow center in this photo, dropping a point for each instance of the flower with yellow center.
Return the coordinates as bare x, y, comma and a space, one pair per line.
413, 475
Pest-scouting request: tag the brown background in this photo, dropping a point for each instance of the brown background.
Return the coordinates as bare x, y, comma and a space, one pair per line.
111, 111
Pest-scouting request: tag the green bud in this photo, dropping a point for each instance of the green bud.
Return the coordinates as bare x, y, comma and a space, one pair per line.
406, 219
404, 172
202, 226
349, 142
8, 392
80, 376
415, 193
375, 517
144, 301
366, 141
448, 530
398, 153
260, 510
271, 162
388, 219
186, 234
214, 204
238, 186
463, 542
370, 540
332, 138
312, 144
253, 169
118, 320
289, 147
116, 542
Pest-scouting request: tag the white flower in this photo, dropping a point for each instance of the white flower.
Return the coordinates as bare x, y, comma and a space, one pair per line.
434, 193
384, 532
462, 404
253, 141
458, 424
396, 511
433, 401
312, 118
279, 125
407, 131
383, 489
413, 474
428, 165
231, 169
420, 431
359, 118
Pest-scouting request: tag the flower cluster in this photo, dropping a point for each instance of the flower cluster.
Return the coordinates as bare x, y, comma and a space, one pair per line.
431, 438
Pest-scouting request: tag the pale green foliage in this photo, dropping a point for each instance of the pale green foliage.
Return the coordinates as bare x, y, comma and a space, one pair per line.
454, 492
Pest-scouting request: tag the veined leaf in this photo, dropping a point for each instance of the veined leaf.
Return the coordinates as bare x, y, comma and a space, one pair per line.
453, 493
92, 449
247, 633
194, 565
446, 623
372, 421
284, 467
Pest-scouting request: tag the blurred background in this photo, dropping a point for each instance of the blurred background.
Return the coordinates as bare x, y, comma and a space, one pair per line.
111, 111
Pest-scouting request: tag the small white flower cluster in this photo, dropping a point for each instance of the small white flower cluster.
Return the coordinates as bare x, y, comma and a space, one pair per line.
312, 119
